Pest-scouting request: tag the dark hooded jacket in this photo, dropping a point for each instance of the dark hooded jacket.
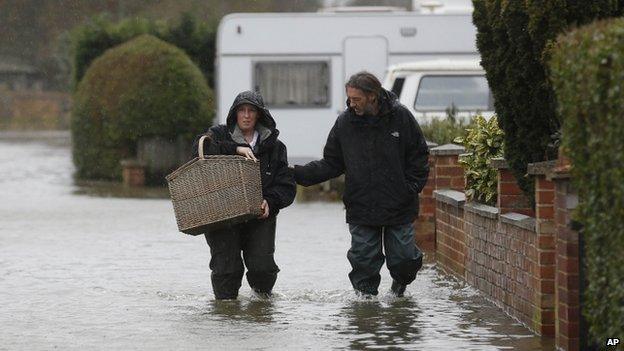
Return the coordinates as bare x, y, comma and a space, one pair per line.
278, 184
384, 159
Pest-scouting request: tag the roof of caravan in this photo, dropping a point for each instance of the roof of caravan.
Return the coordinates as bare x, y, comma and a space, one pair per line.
438, 65
356, 13
325, 32
360, 9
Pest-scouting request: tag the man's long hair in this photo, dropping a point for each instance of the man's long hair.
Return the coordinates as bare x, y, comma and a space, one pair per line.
366, 82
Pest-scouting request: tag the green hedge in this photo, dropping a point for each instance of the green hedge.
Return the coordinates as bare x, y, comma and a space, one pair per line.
91, 40
141, 89
445, 130
587, 73
514, 38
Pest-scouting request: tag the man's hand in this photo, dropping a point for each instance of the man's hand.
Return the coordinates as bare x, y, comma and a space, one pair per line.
246, 152
265, 209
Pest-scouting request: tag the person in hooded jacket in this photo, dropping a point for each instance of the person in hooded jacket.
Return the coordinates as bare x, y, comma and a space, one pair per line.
378, 145
250, 131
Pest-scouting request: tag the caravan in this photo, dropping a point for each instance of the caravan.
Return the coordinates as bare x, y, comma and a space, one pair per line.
299, 62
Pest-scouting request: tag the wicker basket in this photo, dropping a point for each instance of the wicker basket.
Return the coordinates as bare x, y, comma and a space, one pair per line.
210, 192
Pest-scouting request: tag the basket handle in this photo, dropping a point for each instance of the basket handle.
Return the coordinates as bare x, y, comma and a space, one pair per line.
200, 147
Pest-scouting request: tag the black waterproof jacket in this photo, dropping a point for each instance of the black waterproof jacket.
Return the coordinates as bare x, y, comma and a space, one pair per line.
278, 183
384, 159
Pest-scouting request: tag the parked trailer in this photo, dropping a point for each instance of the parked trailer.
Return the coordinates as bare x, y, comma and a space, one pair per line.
299, 62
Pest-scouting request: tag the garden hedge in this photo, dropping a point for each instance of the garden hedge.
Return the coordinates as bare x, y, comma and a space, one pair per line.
196, 39
513, 38
141, 89
587, 70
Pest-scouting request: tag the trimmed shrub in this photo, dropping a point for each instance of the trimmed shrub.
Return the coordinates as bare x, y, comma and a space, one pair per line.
587, 73
144, 88
483, 142
445, 131
513, 38
91, 40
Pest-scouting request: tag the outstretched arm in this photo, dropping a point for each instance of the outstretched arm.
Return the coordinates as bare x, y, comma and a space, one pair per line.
330, 166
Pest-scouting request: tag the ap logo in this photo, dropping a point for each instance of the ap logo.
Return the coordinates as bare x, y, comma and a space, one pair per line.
613, 342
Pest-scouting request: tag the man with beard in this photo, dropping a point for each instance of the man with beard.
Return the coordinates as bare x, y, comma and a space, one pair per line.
378, 145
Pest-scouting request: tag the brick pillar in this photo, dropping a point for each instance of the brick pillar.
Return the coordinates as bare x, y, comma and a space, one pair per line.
427, 202
546, 254
568, 265
425, 223
133, 173
443, 166
510, 197
544, 225
449, 174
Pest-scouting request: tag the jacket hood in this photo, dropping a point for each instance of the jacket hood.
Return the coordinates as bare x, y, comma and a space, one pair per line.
255, 99
387, 102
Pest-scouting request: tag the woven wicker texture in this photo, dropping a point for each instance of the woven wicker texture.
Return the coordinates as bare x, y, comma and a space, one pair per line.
213, 191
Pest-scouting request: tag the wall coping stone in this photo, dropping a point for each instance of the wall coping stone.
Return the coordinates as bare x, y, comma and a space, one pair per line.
448, 150
519, 220
451, 197
561, 173
482, 210
499, 163
431, 144
544, 168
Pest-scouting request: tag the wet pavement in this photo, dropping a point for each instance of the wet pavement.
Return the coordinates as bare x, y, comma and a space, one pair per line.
94, 265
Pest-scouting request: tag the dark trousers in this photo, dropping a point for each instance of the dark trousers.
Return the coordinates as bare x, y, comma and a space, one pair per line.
256, 240
404, 259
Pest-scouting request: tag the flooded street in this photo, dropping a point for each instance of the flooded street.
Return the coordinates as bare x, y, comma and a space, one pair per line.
97, 266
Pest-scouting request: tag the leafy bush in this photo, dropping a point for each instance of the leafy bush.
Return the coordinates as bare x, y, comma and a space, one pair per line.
587, 74
483, 143
514, 38
141, 89
91, 40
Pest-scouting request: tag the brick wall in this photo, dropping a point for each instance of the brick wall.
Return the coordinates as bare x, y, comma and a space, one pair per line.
502, 261
525, 259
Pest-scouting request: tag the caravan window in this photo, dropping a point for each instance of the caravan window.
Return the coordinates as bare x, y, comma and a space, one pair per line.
293, 84
467, 93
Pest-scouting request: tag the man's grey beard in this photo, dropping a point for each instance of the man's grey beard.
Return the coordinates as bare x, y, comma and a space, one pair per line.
369, 109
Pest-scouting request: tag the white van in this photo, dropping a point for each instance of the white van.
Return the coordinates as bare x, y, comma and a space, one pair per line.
299, 62
429, 88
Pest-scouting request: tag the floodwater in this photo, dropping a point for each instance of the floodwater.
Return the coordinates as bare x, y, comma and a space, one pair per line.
100, 267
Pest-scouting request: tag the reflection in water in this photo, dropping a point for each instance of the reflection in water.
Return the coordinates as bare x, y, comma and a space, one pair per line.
252, 310
376, 325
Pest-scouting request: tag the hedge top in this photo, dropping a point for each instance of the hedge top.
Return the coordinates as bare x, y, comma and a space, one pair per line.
150, 86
